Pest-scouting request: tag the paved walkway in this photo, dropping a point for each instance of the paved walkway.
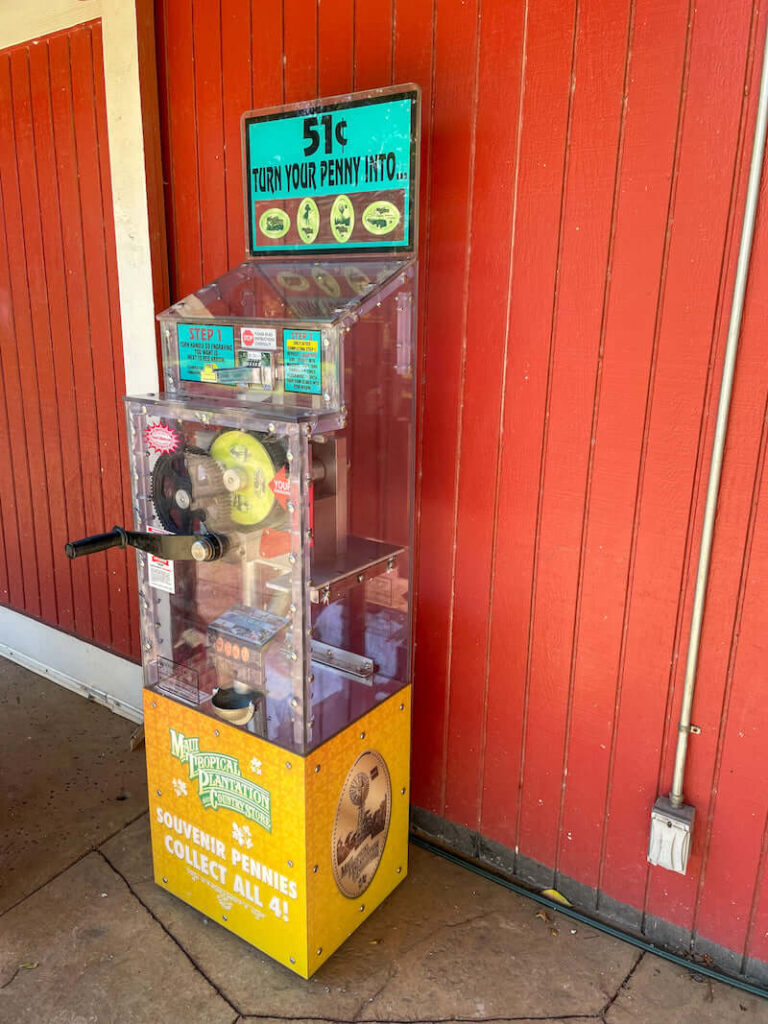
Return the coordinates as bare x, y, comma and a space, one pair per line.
87, 938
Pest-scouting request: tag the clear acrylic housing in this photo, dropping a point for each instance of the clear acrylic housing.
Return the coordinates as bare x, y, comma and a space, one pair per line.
270, 331
302, 625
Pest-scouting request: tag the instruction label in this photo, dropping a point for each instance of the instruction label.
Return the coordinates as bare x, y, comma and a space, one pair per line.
204, 349
161, 574
301, 354
258, 337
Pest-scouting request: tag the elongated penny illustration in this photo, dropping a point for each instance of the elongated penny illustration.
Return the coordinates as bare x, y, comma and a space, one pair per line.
362, 823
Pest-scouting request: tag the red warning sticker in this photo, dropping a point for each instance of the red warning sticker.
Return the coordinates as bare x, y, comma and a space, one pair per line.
280, 487
159, 438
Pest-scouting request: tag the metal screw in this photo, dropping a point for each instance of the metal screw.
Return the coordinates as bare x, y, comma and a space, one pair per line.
154, 703
159, 792
362, 735
402, 791
320, 950
290, 863
314, 869
287, 764
292, 959
399, 871
317, 769
165, 880
215, 732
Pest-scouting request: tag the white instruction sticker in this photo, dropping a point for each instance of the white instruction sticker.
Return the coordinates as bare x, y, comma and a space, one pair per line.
161, 573
258, 337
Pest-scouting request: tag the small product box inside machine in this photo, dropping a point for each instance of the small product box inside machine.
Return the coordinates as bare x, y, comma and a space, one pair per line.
273, 505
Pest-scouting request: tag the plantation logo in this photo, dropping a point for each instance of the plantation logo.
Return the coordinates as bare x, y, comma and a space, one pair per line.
220, 782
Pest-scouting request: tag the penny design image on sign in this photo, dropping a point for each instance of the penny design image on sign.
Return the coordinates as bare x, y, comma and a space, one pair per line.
362, 823
308, 220
274, 222
342, 218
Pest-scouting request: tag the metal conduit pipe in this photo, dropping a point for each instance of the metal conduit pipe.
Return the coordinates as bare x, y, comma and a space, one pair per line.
713, 487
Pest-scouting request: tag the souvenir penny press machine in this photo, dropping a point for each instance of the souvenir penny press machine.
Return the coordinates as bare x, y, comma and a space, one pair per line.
272, 493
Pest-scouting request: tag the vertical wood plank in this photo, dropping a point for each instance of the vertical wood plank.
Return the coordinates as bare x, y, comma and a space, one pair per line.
493, 191
373, 44
15, 490
542, 145
267, 59
237, 98
184, 221
209, 142
335, 46
414, 61
19, 171
90, 572
300, 53
446, 298
52, 333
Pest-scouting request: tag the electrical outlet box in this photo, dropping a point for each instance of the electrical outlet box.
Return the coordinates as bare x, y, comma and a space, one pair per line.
671, 835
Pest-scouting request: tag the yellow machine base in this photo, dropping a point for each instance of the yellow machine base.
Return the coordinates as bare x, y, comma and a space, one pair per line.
290, 853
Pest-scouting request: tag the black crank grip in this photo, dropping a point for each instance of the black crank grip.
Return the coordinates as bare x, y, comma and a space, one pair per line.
116, 538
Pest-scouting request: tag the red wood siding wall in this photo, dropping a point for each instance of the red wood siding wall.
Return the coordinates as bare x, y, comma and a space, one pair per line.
583, 176
63, 466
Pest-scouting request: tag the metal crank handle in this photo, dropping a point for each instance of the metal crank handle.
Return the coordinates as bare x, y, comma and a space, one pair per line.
198, 547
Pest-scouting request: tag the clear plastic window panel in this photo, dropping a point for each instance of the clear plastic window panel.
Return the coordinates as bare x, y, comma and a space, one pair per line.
300, 622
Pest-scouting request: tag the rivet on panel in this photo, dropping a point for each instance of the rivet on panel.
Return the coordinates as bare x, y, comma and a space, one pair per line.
402, 791
159, 792
399, 871
215, 732
319, 951
314, 869
362, 907
290, 863
287, 764
362, 735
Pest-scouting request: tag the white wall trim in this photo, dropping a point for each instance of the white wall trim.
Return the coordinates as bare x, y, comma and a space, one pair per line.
129, 195
90, 671
20, 22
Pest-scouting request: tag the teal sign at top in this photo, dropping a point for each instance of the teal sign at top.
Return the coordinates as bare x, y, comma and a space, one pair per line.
333, 176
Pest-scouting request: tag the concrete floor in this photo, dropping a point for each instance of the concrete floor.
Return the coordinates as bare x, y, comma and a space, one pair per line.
87, 938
